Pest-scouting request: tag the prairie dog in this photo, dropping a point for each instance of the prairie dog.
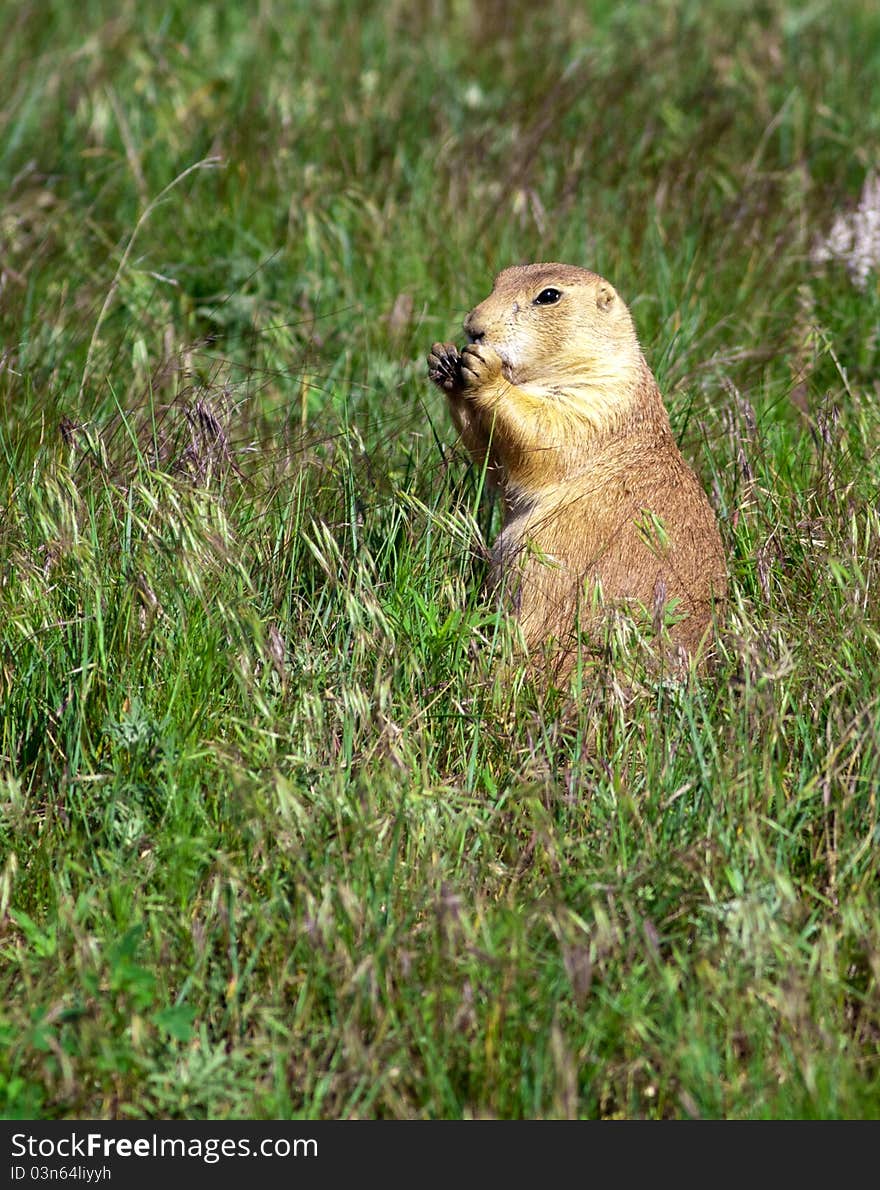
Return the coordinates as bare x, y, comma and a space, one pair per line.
554, 397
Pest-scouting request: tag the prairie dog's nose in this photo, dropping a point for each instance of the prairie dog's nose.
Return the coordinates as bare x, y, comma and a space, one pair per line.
472, 329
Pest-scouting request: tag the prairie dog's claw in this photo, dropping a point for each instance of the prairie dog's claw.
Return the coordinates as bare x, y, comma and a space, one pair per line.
444, 366
480, 365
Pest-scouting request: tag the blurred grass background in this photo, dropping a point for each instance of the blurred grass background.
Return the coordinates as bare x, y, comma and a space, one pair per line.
275, 840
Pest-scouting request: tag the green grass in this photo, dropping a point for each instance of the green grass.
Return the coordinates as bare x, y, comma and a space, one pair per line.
282, 833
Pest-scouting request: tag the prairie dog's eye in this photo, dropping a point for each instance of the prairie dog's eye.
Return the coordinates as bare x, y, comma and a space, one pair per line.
548, 297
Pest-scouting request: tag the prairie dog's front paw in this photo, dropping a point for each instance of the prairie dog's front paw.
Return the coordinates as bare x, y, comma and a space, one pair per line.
480, 365
444, 367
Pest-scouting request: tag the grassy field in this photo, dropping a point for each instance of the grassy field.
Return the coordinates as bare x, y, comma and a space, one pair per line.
277, 838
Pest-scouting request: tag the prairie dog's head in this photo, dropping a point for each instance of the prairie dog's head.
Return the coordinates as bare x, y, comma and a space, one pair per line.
553, 323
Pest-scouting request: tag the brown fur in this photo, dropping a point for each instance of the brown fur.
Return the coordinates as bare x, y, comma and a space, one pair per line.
557, 401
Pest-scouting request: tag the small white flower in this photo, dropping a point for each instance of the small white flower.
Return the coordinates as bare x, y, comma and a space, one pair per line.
370, 80
854, 239
473, 96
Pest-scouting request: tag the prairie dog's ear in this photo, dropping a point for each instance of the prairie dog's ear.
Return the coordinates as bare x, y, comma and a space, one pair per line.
605, 296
